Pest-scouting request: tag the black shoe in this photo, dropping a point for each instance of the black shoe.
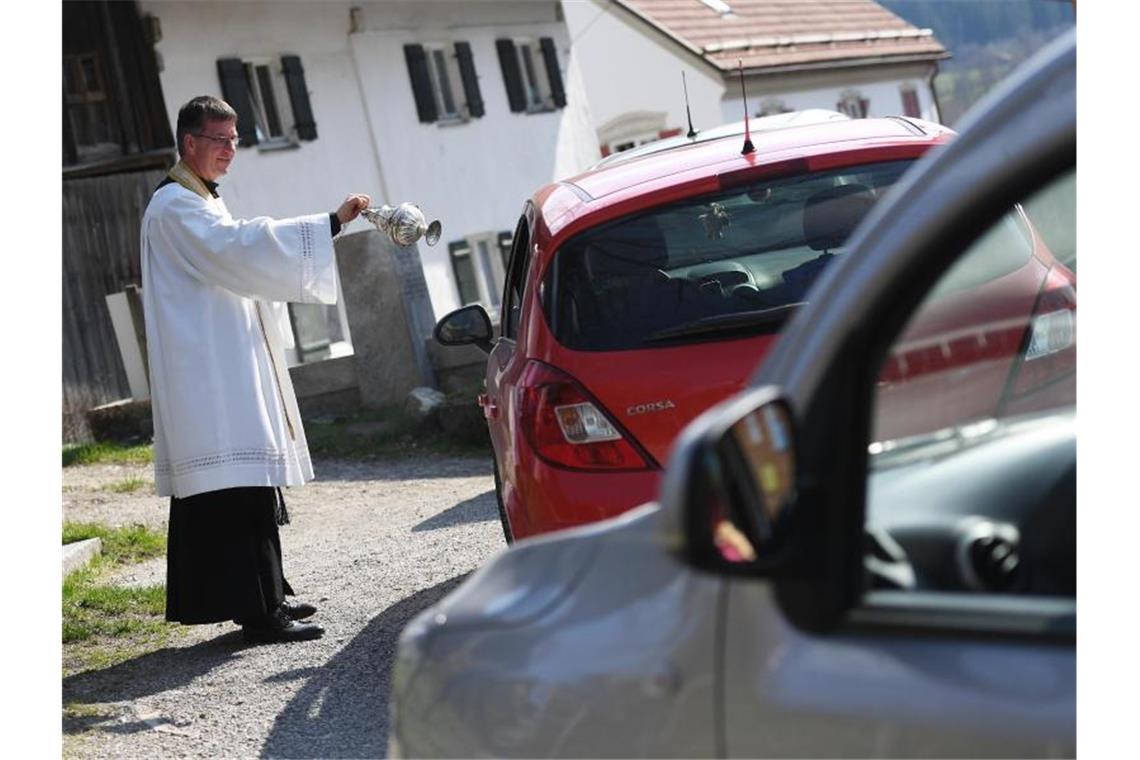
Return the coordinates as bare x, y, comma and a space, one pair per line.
279, 628
298, 610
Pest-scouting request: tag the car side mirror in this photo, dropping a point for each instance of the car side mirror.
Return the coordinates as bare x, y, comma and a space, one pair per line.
730, 489
467, 326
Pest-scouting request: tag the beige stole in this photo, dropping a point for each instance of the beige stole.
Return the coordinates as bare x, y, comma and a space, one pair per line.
183, 175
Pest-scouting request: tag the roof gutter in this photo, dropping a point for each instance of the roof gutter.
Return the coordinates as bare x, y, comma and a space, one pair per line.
752, 43
840, 64
934, 92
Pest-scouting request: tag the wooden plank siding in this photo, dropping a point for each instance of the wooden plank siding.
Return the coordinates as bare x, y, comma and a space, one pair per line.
101, 218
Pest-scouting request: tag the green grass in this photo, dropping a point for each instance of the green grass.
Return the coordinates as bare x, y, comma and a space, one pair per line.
107, 453
104, 624
123, 545
130, 485
92, 609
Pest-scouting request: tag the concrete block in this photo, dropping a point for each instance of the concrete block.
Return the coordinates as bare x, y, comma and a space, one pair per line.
463, 422
330, 405
79, 553
423, 401
374, 276
325, 376
127, 421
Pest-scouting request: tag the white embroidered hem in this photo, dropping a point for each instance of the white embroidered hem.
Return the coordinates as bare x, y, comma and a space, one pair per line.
232, 470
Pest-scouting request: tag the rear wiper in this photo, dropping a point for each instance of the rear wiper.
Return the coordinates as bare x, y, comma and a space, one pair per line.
773, 317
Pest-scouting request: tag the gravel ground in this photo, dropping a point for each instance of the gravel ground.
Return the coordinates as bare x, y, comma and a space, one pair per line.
371, 544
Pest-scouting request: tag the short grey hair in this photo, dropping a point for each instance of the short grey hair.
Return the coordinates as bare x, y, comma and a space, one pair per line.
192, 116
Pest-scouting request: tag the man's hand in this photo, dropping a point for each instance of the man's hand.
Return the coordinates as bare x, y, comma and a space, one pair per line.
352, 207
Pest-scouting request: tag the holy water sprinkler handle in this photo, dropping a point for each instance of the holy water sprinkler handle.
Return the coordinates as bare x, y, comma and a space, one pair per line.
403, 224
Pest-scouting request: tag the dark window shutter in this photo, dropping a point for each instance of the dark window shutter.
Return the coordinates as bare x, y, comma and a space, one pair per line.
910, 103
70, 148
505, 239
299, 97
551, 57
464, 270
512, 77
235, 89
421, 83
470, 81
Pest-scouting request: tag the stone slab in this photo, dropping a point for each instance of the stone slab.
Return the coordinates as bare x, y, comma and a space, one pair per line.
79, 553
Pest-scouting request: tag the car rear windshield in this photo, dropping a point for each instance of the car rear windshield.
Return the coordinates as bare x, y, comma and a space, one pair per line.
732, 263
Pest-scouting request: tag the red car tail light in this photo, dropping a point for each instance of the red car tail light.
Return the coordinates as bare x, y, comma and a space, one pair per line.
1051, 344
568, 427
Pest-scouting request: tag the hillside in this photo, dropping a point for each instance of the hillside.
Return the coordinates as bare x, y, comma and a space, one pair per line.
987, 39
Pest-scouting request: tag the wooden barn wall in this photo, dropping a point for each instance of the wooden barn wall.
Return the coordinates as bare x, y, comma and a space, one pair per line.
101, 217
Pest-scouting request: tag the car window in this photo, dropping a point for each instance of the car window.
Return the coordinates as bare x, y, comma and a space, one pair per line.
995, 336
517, 267
734, 261
972, 454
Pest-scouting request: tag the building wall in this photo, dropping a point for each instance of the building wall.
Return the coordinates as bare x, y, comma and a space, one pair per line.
314, 176
882, 85
474, 176
629, 68
646, 78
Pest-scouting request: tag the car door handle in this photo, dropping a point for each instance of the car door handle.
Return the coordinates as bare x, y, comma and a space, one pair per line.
490, 408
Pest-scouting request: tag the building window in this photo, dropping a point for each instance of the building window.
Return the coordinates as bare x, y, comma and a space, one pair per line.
441, 68
319, 331
853, 104
536, 82
631, 141
632, 129
266, 84
88, 107
910, 101
531, 74
772, 106
444, 83
479, 268
271, 100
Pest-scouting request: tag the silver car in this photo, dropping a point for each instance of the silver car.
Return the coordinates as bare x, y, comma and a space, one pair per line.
807, 587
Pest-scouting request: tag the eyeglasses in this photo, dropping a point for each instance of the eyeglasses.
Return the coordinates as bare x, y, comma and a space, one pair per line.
231, 141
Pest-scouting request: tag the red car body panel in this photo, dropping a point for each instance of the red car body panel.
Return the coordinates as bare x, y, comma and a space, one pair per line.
633, 386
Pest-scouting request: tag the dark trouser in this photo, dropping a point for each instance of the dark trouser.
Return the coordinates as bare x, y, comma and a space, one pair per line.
223, 556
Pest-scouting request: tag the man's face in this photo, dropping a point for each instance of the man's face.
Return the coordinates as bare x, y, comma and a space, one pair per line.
210, 150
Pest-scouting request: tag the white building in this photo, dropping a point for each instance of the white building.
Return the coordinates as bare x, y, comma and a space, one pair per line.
464, 108
854, 56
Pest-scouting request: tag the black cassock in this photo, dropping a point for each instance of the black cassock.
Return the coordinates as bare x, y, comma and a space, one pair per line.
223, 556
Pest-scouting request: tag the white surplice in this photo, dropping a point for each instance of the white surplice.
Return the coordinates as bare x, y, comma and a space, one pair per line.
224, 410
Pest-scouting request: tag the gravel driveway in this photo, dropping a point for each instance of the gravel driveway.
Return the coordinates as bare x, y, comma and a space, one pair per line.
371, 543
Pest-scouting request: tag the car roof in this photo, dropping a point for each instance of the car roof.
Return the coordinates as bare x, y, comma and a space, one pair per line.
650, 173
759, 124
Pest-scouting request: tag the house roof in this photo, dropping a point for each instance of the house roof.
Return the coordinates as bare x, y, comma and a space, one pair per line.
776, 35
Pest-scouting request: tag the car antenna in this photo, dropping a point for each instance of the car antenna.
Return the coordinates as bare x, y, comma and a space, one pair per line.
748, 146
692, 132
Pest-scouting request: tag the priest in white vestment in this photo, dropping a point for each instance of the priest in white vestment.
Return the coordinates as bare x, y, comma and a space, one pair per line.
227, 432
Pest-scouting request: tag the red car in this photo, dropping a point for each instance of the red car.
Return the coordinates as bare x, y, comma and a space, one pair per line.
642, 292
